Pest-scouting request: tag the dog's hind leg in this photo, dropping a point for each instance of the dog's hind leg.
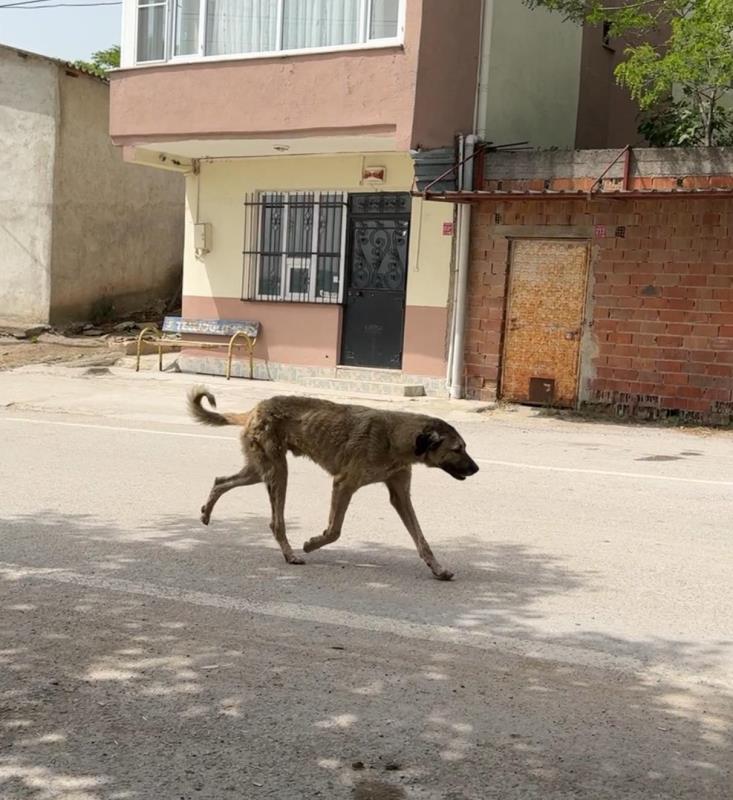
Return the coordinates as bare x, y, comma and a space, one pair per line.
245, 477
399, 497
276, 478
341, 495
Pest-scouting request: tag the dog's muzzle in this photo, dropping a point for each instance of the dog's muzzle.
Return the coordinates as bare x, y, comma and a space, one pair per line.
460, 473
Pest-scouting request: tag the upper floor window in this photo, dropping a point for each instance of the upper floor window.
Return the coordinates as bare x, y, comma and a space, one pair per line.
170, 29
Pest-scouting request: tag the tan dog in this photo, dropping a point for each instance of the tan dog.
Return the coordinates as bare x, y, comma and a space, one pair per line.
356, 445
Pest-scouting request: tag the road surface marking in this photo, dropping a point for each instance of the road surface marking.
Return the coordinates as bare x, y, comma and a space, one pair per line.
635, 475
489, 461
443, 634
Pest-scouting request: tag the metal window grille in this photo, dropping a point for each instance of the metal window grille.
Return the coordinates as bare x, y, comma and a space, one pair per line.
294, 246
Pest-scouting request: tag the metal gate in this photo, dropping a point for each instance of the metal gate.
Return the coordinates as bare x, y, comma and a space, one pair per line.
544, 321
374, 310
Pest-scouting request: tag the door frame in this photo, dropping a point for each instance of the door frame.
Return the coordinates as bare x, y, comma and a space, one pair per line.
548, 236
348, 265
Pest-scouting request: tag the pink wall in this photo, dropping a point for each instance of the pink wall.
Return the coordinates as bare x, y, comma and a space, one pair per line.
420, 93
425, 340
292, 333
309, 334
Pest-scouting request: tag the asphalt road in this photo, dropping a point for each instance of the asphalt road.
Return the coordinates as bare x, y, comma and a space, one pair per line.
585, 649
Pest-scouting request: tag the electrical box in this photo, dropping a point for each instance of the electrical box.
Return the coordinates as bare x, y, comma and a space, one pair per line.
202, 237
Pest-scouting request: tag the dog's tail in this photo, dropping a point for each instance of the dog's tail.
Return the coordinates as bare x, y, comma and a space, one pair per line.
206, 416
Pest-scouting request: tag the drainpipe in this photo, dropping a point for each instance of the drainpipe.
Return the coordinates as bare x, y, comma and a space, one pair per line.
461, 301
482, 85
451, 334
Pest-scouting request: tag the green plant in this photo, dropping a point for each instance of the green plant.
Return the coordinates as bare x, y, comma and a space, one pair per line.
102, 61
674, 47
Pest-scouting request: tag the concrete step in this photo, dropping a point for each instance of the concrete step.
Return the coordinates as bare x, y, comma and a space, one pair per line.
369, 374
348, 386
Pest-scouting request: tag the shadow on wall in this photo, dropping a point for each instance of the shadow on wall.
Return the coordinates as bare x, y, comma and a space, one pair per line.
109, 692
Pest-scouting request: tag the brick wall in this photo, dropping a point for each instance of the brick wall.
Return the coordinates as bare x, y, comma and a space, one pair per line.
661, 301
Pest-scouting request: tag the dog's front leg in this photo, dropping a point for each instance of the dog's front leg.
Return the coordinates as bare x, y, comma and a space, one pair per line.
246, 477
399, 497
341, 495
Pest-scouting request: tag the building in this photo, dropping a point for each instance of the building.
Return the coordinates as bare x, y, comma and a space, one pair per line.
296, 125
81, 232
603, 278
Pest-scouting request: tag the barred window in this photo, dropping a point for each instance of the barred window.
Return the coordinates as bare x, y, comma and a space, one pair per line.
295, 246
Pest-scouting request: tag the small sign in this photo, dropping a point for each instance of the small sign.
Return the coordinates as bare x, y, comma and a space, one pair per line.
600, 231
447, 229
374, 174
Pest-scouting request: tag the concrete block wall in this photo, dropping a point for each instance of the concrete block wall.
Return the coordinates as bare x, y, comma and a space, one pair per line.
660, 303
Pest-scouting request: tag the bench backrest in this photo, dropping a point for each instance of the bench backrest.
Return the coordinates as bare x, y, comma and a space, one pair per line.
211, 327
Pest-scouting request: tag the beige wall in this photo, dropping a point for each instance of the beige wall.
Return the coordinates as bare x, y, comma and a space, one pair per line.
220, 189
118, 228
212, 284
28, 100
534, 76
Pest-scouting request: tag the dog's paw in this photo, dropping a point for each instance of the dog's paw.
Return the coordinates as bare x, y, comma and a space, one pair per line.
205, 515
308, 546
295, 560
444, 575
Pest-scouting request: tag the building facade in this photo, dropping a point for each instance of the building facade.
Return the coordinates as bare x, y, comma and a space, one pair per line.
296, 125
603, 278
78, 227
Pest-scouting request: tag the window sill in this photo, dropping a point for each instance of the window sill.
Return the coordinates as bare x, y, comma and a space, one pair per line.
381, 44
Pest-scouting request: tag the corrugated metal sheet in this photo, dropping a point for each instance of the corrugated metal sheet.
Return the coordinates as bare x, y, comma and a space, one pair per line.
430, 164
449, 196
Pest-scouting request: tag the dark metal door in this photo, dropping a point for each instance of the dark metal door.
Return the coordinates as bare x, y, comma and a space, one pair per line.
374, 312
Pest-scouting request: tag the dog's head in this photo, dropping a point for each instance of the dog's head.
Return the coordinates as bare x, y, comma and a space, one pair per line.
439, 445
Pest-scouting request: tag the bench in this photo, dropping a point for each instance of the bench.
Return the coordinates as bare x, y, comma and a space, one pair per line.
170, 336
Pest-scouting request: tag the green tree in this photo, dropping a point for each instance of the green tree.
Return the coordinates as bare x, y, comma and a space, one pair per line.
102, 61
682, 75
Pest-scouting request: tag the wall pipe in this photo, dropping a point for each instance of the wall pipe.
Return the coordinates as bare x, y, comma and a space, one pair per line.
461, 299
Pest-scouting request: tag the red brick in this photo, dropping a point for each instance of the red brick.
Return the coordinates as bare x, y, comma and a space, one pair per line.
697, 342
722, 370
702, 356
690, 391
644, 339
693, 280
674, 379
669, 341
618, 361
625, 374
619, 338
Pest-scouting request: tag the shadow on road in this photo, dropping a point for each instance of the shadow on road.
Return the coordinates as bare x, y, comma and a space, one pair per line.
118, 695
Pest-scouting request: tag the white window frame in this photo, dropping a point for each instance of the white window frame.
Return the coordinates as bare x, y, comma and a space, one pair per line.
286, 295
168, 4
131, 17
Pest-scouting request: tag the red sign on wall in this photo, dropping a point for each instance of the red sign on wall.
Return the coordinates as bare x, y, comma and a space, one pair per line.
600, 231
447, 229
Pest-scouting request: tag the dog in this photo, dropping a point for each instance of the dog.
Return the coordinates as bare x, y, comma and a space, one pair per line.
355, 444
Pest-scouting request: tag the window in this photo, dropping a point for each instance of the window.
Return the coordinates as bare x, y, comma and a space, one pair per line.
187, 18
209, 28
294, 246
151, 29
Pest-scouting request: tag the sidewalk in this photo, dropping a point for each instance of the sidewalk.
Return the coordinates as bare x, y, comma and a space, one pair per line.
150, 396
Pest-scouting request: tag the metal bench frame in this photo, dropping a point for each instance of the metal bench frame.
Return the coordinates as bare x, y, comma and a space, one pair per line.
167, 339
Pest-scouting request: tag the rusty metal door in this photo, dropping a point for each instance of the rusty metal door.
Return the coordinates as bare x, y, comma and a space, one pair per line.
544, 321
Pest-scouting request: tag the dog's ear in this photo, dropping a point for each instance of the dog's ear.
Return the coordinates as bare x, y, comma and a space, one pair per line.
428, 439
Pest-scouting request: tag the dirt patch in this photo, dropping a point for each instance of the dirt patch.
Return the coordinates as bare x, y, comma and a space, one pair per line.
376, 790
19, 354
